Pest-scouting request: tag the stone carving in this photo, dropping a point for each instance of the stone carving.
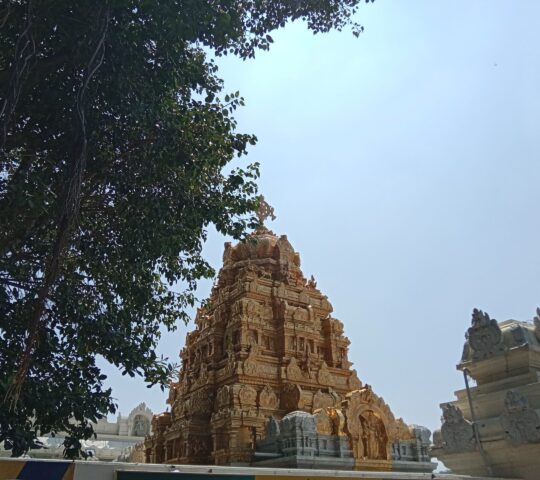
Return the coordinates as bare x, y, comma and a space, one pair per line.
203, 373
141, 426
323, 375
323, 400
339, 420
247, 396
400, 431
230, 368
324, 422
290, 397
484, 336
374, 437
456, 432
293, 370
250, 366
300, 314
250, 308
368, 416
268, 398
520, 422
223, 397
200, 403
518, 336
141, 408
253, 340
178, 408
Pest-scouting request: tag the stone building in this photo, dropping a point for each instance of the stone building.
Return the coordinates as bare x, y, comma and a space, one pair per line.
265, 345
500, 436
303, 440
113, 439
324, 440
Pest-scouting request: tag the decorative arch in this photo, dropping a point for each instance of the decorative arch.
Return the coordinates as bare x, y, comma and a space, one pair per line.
140, 421
370, 424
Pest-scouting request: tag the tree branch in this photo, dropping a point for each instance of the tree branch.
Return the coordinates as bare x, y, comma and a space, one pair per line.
69, 208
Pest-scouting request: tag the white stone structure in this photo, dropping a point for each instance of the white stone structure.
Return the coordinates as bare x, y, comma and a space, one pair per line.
113, 439
500, 435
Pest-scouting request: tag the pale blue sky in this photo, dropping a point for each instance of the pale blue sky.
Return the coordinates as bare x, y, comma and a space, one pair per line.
403, 166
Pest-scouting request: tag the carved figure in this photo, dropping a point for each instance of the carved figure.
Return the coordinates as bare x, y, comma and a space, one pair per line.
520, 422
374, 436
323, 375
250, 365
323, 400
456, 432
247, 396
268, 398
360, 423
141, 426
339, 421
293, 370
290, 397
324, 422
230, 368
484, 336
252, 339
223, 398
203, 372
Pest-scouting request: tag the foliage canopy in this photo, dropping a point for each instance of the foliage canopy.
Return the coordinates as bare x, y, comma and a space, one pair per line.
114, 135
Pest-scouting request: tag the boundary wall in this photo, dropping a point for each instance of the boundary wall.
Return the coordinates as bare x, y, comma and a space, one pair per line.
43, 469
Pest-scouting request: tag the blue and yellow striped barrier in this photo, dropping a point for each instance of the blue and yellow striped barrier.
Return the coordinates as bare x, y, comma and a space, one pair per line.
32, 470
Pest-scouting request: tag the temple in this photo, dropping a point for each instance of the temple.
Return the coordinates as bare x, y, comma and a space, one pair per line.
267, 357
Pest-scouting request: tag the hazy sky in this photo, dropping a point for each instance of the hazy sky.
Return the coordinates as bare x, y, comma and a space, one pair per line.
403, 166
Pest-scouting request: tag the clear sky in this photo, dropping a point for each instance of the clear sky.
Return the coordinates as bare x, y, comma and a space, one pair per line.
404, 167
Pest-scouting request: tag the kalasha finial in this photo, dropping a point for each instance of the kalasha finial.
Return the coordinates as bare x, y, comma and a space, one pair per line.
264, 211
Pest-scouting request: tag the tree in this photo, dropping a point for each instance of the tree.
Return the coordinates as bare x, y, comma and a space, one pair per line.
115, 132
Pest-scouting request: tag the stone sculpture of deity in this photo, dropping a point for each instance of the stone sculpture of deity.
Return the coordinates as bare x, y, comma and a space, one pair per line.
373, 436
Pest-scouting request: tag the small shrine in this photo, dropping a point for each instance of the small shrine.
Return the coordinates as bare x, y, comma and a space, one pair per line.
266, 350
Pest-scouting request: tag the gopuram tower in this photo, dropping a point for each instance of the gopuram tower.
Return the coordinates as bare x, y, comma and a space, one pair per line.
266, 345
